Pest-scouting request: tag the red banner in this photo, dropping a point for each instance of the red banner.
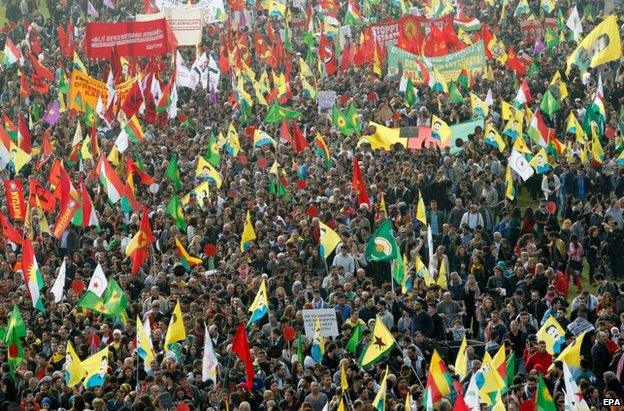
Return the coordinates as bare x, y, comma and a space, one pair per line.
15, 199
132, 38
388, 33
65, 217
46, 198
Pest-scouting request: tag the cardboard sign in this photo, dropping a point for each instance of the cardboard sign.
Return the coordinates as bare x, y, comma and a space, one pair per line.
327, 317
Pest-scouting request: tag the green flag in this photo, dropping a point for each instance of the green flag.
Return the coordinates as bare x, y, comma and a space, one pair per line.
398, 269
551, 37
454, 94
113, 302
543, 400
278, 113
276, 187
410, 95
212, 154
356, 337
340, 121
173, 173
174, 208
89, 116
511, 370
549, 104
353, 118
16, 330
382, 245
533, 69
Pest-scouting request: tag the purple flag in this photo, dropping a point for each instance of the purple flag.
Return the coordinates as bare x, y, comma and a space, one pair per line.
91, 11
53, 114
109, 4
539, 46
213, 95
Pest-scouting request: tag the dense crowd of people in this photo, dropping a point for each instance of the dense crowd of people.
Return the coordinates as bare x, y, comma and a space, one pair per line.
554, 250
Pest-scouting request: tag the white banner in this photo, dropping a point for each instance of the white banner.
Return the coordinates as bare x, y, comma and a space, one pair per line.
327, 317
520, 165
213, 10
187, 25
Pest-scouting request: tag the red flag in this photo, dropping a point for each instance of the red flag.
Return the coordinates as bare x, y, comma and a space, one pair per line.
133, 101
14, 190
65, 217
95, 147
327, 54
299, 141
46, 149
150, 7
87, 205
46, 198
23, 135
487, 36
514, 63
358, 184
41, 70
410, 34
460, 404
24, 88
240, 347
39, 86
138, 248
285, 132
345, 59
144, 178
10, 233
63, 41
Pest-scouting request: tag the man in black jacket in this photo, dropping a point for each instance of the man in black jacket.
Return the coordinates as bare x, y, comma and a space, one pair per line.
600, 357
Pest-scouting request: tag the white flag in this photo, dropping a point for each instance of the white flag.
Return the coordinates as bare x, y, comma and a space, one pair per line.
183, 74
122, 141
573, 395
520, 165
214, 74
489, 100
574, 23
98, 282
209, 361
199, 71
59, 283
471, 396
173, 108
430, 246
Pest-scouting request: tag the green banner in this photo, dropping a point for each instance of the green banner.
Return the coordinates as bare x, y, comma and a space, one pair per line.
450, 65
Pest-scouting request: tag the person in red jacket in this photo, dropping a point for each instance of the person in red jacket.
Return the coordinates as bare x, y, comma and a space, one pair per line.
541, 358
560, 282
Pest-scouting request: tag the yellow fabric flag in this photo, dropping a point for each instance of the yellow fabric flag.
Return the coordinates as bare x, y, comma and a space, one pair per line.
43, 223
499, 405
383, 137
341, 405
176, 330
493, 138
573, 126
492, 381
260, 305
381, 343
344, 383
192, 261
507, 110
329, 240
144, 345
539, 162
96, 369
249, 234
442, 277
478, 106
552, 334
510, 193
558, 82
113, 156
19, 157
304, 69
461, 361
598, 154
421, 214
520, 145
423, 271
74, 371
205, 169
602, 45
440, 131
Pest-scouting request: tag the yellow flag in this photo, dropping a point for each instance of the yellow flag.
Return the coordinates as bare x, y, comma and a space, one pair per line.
113, 156
96, 369
249, 234
573, 126
493, 138
74, 371
383, 138
422, 271
552, 334
440, 131
442, 277
602, 45
461, 361
597, 151
176, 330
344, 383
341, 405
259, 97
408, 401
304, 69
19, 157
382, 204
539, 162
205, 169
379, 402
507, 110
558, 82
421, 215
145, 348
492, 381
329, 240
381, 343
478, 106
43, 223
260, 305
499, 405
510, 193
520, 145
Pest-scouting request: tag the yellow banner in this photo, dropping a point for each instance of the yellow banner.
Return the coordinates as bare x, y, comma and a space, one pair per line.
85, 90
